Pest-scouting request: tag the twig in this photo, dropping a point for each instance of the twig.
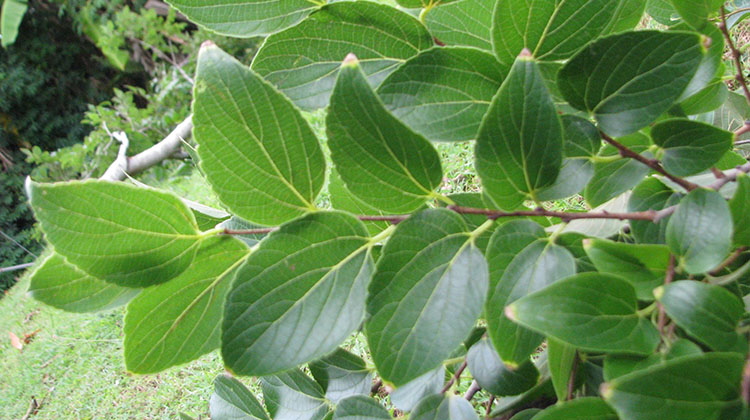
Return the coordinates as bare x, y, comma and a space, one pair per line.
651, 163
667, 279
15, 267
489, 406
730, 176
736, 55
572, 379
742, 130
454, 378
376, 386
260, 231
473, 389
732, 258
33, 407
746, 381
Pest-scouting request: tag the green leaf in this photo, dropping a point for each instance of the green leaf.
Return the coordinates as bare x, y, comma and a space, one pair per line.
560, 358
711, 69
382, 162
590, 311
690, 147
520, 142
416, 4
245, 18
628, 80
643, 266
689, 388
427, 293
342, 199
739, 206
59, 283
612, 178
696, 12
587, 408
550, 30
700, 231
521, 261
628, 14
494, 376
298, 296
651, 194
236, 223
573, 242
360, 407
709, 313
465, 23
441, 407
232, 401
527, 414
407, 396
619, 365
129, 236
663, 12
443, 93
12, 15
258, 153
582, 139
179, 321
342, 374
574, 174
303, 60
293, 395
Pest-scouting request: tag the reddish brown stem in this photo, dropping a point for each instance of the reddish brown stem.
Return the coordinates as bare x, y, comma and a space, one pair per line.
651, 163
732, 258
454, 378
473, 389
736, 55
572, 379
667, 279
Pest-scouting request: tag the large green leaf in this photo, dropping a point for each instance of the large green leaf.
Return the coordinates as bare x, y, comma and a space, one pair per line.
426, 294
700, 231
303, 60
119, 233
442, 407
59, 283
360, 407
342, 199
245, 18
257, 152
620, 365
587, 408
465, 22
663, 12
696, 12
519, 148
688, 388
342, 374
739, 205
382, 162
709, 313
292, 395
443, 93
179, 321
690, 146
551, 30
521, 261
591, 311
10, 20
628, 14
495, 376
298, 296
643, 266
407, 396
232, 401
628, 80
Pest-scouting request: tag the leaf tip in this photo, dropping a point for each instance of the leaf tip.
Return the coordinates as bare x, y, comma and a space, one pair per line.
525, 54
510, 312
658, 292
351, 60
207, 44
605, 391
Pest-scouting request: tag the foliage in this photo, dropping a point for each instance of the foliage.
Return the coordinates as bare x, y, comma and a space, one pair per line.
632, 308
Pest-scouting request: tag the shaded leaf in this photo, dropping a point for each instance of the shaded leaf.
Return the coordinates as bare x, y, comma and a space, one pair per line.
495, 376
590, 311
292, 395
579, 409
407, 396
232, 401
690, 146
426, 295
360, 407
303, 60
614, 177
739, 206
464, 23
298, 296
342, 374
651, 194
561, 358
439, 407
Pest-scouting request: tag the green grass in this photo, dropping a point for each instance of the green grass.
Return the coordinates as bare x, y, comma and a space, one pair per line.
74, 365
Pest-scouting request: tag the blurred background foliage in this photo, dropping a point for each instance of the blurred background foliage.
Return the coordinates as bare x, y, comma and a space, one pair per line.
78, 71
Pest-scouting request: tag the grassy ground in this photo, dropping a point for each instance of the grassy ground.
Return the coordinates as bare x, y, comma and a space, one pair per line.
74, 368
